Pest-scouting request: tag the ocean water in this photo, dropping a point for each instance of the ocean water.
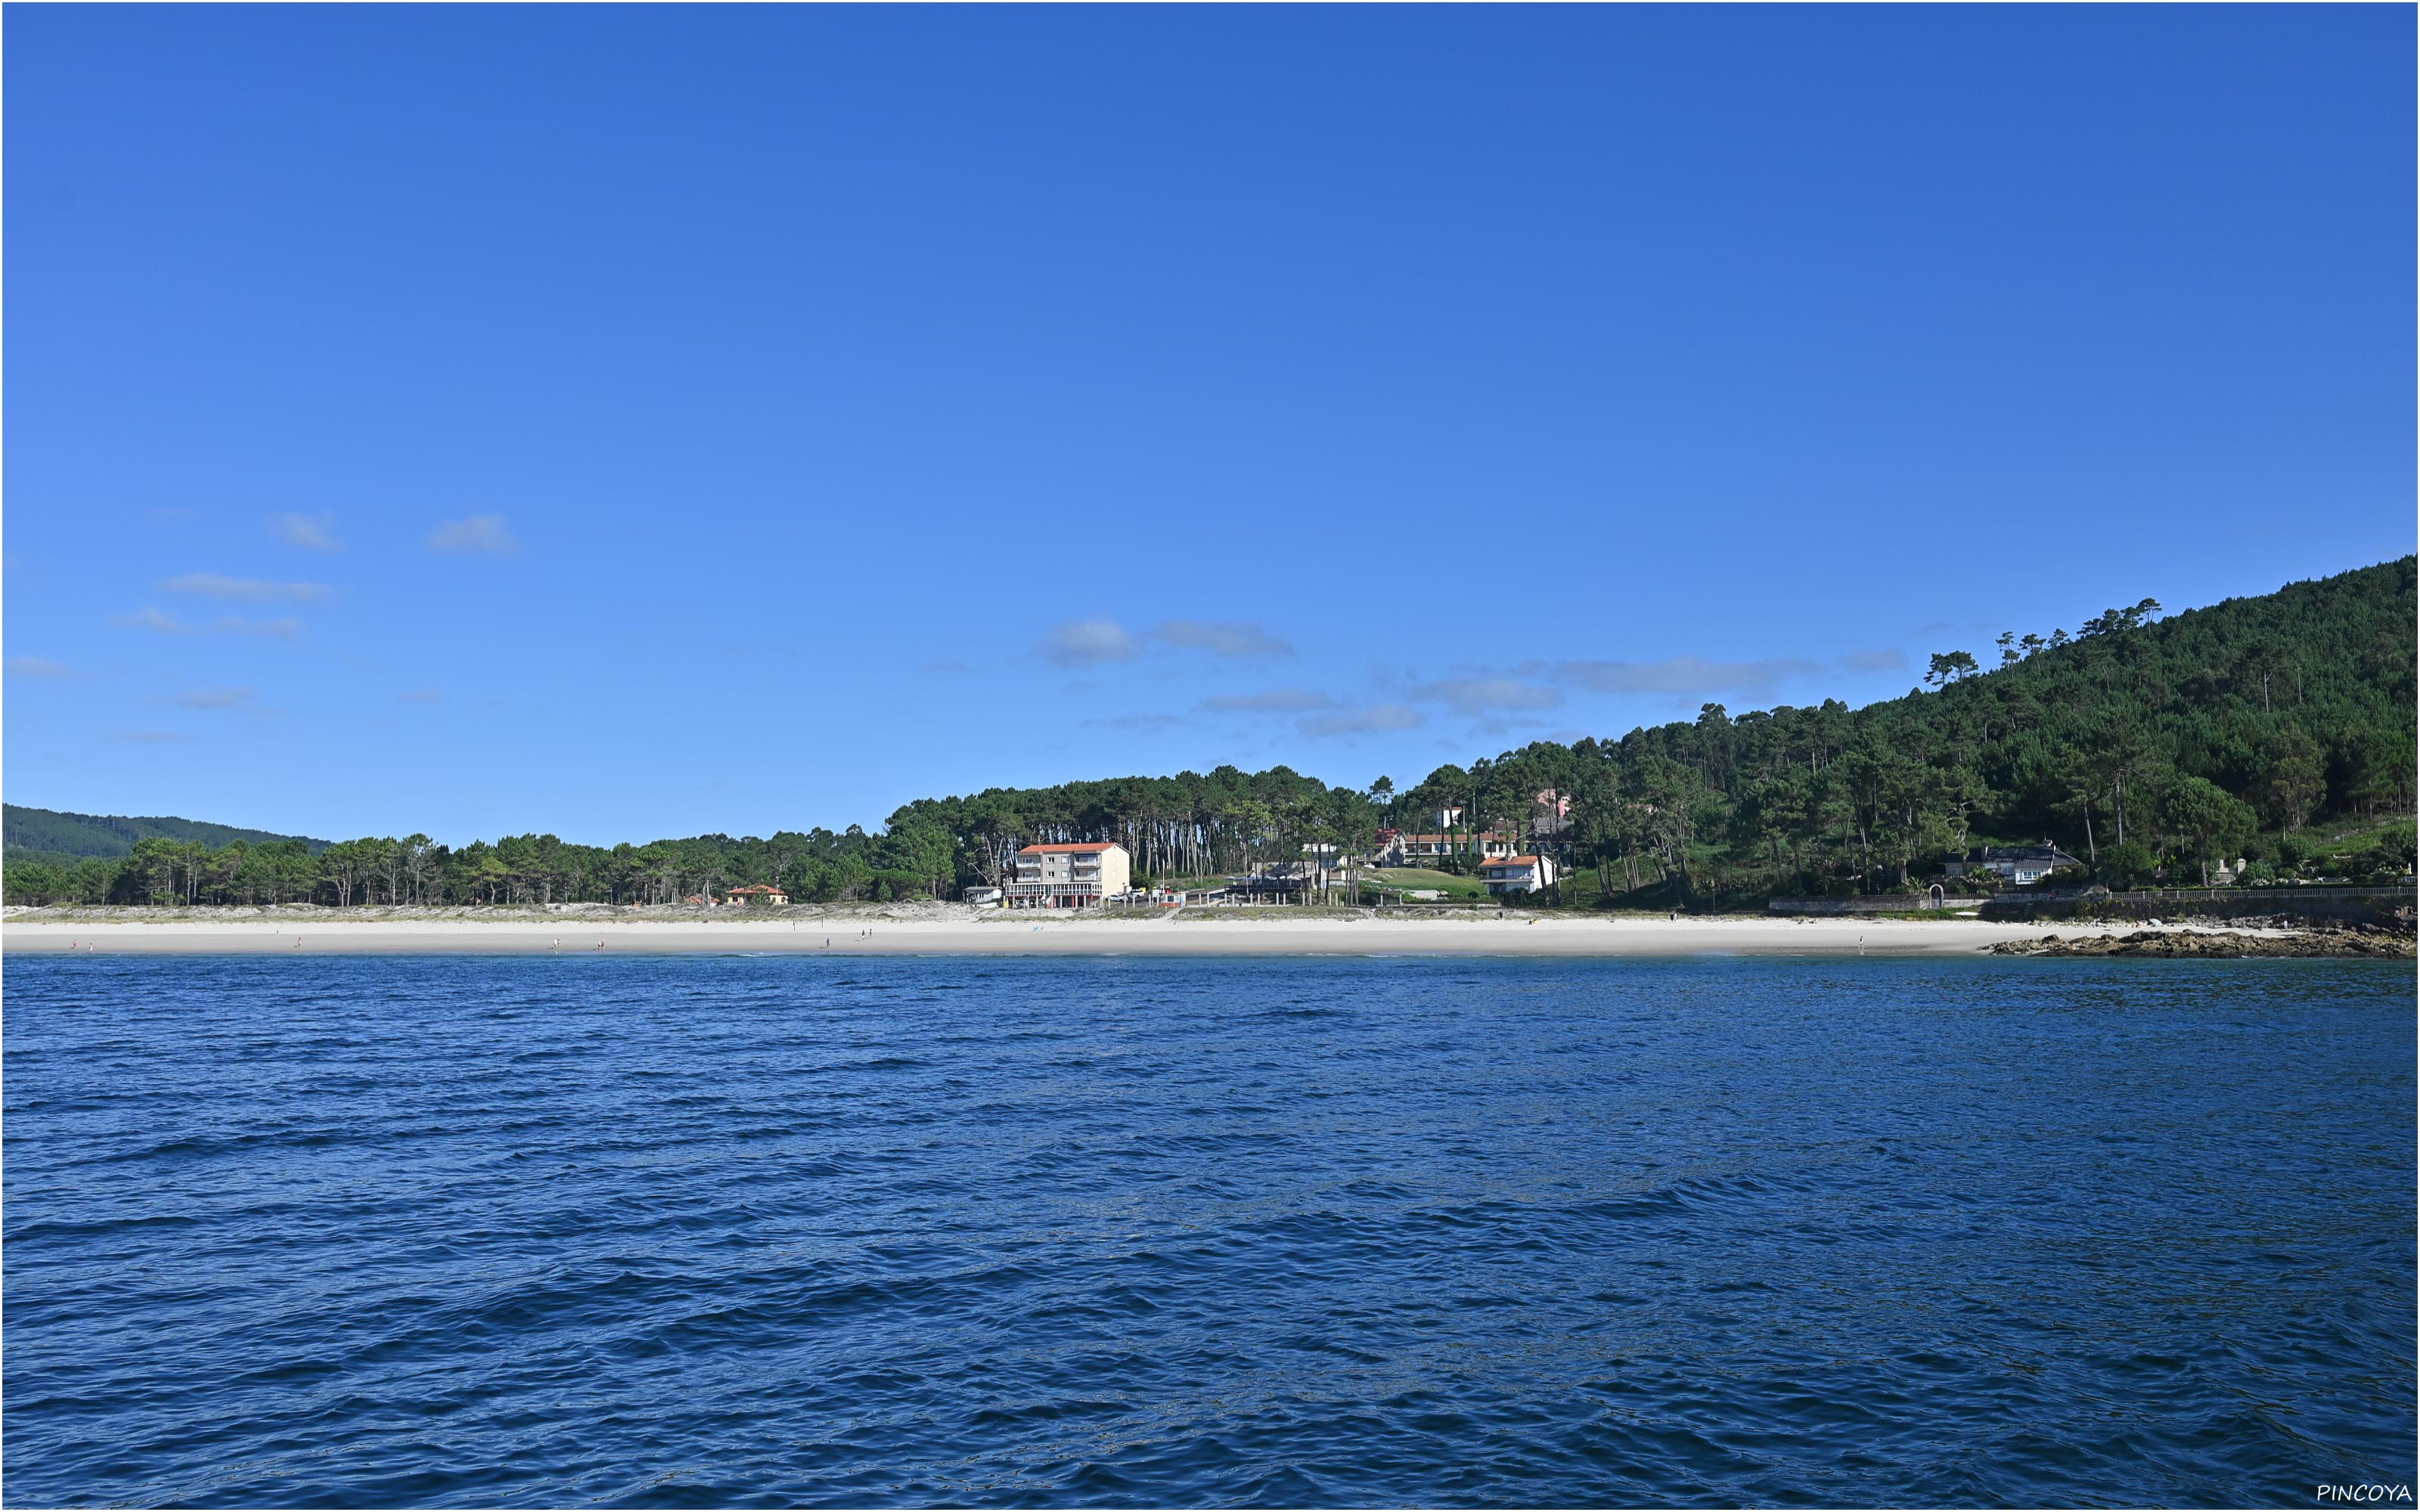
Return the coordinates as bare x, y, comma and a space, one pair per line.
795, 1230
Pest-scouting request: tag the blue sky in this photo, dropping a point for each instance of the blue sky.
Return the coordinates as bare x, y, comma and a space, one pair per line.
651, 421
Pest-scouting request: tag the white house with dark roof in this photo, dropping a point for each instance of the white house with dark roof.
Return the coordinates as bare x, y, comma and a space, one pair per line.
2022, 865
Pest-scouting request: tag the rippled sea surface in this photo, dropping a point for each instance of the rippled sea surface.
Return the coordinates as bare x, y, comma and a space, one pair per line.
670, 1231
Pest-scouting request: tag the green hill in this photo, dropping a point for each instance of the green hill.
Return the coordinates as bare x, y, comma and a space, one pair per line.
2275, 729
65, 839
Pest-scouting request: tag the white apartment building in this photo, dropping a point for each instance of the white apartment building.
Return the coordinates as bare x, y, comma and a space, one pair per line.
1069, 876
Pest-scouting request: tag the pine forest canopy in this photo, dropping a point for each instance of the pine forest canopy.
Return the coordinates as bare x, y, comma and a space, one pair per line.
2146, 744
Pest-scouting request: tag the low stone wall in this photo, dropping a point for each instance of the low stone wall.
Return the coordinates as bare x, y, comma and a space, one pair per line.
1893, 903
2365, 904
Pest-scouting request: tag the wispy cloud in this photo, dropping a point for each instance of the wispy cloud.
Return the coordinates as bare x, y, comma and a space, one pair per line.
245, 590
1873, 661
284, 627
1686, 676
1089, 643
1375, 718
1095, 642
1222, 638
313, 533
1274, 701
479, 535
216, 698
1488, 695
1139, 724
157, 619
160, 621
37, 669
1697, 677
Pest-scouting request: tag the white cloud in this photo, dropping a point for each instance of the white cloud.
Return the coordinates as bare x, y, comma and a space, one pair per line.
1139, 724
216, 698
156, 620
284, 627
245, 590
38, 669
313, 533
1687, 676
1094, 641
479, 535
160, 621
1484, 695
1376, 718
1223, 637
1873, 661
1275, 701
1089, 643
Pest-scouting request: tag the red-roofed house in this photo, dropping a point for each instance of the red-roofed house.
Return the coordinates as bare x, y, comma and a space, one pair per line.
755, 892
1069, 876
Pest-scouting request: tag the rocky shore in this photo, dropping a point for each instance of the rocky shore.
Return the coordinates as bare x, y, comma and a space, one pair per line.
2356, 941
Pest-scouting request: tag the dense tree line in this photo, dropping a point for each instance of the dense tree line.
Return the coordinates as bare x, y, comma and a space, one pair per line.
2149, 747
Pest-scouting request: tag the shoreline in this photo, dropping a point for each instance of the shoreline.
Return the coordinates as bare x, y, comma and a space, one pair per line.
968, 931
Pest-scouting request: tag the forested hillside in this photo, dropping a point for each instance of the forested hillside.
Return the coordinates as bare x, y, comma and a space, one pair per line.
2144, 744
45, 835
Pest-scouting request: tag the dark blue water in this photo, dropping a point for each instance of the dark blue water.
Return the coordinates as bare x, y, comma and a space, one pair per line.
449, 1231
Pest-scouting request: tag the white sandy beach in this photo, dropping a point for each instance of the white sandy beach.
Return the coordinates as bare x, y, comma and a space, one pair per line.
966, 933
